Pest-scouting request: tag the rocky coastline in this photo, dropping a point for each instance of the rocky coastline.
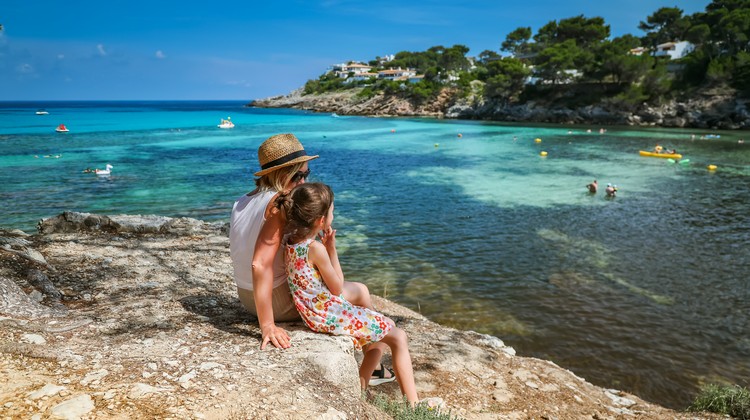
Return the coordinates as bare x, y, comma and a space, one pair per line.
705, 112
137, 317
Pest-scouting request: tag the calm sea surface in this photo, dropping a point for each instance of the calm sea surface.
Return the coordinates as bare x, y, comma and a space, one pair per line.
648, 292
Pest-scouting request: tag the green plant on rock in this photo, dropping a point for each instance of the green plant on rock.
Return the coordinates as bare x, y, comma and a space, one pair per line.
723, 399
401, 410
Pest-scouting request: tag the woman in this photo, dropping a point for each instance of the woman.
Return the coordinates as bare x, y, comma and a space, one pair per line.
255, 235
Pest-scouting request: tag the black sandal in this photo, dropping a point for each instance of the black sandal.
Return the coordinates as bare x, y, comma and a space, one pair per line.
378, 376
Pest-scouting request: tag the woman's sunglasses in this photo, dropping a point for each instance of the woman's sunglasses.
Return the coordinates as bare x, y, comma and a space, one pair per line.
300, 176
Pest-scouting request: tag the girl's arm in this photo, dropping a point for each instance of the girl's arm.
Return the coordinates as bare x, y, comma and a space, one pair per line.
328, 238
333, 278
266, 247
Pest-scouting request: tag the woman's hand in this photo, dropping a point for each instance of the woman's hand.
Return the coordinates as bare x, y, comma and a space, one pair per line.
328, 238
276, 336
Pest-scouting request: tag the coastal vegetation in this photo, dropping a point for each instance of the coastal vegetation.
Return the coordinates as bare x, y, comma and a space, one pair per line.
724, 399
575, 62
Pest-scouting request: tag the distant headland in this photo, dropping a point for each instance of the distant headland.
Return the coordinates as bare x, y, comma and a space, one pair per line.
682, 73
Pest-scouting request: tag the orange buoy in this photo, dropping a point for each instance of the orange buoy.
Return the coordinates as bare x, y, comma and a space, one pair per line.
460, 135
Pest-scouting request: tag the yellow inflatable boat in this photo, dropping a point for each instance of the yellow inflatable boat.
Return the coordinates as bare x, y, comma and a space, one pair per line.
660, 155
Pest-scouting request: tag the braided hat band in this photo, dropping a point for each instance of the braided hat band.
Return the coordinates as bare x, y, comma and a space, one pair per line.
279, 151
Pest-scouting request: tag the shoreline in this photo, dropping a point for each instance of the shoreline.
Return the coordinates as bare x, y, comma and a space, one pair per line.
704, 113
142, 308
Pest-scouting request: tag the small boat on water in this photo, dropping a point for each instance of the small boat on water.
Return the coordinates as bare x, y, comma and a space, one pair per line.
42, 112
62, 128
660, 155
226, 123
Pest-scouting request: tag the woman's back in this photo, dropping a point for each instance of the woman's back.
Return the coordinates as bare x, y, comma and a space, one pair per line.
248, 217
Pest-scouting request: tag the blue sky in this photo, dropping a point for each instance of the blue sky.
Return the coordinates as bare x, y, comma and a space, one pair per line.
133, 49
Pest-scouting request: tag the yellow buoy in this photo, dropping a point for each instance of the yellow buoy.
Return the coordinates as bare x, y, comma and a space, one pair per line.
537, 140
711, 167
437, 144
543, 154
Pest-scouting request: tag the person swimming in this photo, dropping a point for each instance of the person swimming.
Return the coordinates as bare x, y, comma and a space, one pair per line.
593, 187
611, 190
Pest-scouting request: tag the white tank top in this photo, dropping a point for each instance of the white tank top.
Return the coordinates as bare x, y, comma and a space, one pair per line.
248, 217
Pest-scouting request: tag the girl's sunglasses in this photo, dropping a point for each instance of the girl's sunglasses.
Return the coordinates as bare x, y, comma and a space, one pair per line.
300, 175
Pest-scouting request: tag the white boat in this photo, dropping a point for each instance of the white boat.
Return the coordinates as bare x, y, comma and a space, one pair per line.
62, 128
106, 171
42, 112
226, 123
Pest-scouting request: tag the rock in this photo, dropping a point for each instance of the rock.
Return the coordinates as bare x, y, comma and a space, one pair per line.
74, 408
47, 390
33, 339
165, 308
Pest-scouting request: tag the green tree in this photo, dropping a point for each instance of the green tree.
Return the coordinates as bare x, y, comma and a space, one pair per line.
454, 58
517, 42
585, 32
614, 62
488, 55
552, 61
506, 78
665, 25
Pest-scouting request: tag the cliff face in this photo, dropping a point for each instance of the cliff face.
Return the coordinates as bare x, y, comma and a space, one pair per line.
704, 112
137, 317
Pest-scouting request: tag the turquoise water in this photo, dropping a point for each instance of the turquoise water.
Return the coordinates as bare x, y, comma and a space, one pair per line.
647, 292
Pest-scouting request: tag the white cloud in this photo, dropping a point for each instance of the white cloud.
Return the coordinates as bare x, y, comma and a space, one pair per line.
60, 56
160, 54
100, 48
25, 68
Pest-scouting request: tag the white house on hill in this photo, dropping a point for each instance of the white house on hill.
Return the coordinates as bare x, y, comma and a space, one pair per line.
674, 50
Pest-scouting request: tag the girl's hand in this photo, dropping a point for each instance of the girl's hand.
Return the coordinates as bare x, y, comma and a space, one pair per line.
328, 238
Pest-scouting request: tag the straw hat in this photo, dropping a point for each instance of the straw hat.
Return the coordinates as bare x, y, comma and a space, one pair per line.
279, 151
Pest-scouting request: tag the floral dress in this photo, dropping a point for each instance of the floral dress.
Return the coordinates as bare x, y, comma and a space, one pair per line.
324, 312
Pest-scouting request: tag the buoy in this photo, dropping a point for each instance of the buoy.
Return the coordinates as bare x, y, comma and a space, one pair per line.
711, 167
537, 140
460, 135
393, 131
437, 144
543, 154
670, 160
685, 161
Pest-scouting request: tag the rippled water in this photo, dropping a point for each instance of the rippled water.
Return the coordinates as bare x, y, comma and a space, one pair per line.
647, 292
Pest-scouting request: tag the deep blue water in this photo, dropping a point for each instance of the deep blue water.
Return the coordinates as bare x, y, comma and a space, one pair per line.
647, 292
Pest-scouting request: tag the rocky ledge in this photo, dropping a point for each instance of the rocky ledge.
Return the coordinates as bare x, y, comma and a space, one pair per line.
137, 317
708, 111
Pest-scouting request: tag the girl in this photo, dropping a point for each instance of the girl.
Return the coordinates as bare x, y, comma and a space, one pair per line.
316, 282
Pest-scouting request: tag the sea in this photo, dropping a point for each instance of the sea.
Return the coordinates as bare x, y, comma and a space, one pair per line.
463, 221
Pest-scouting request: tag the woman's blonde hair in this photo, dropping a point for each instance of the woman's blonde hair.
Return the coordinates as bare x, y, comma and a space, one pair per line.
278, 179
303, 206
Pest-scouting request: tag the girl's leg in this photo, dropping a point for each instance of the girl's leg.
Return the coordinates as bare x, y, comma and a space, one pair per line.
397, 341
358, 294
373, 354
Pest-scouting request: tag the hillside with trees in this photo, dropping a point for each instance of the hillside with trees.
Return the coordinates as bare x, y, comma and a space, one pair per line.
573, 63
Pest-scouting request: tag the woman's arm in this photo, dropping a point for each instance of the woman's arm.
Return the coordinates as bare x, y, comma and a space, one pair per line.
320, 258
266, 247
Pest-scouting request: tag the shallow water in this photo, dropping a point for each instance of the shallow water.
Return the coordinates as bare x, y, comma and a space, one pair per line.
647, 292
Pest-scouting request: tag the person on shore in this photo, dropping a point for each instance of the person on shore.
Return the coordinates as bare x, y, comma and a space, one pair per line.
592, 187
317, 284
255, 235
